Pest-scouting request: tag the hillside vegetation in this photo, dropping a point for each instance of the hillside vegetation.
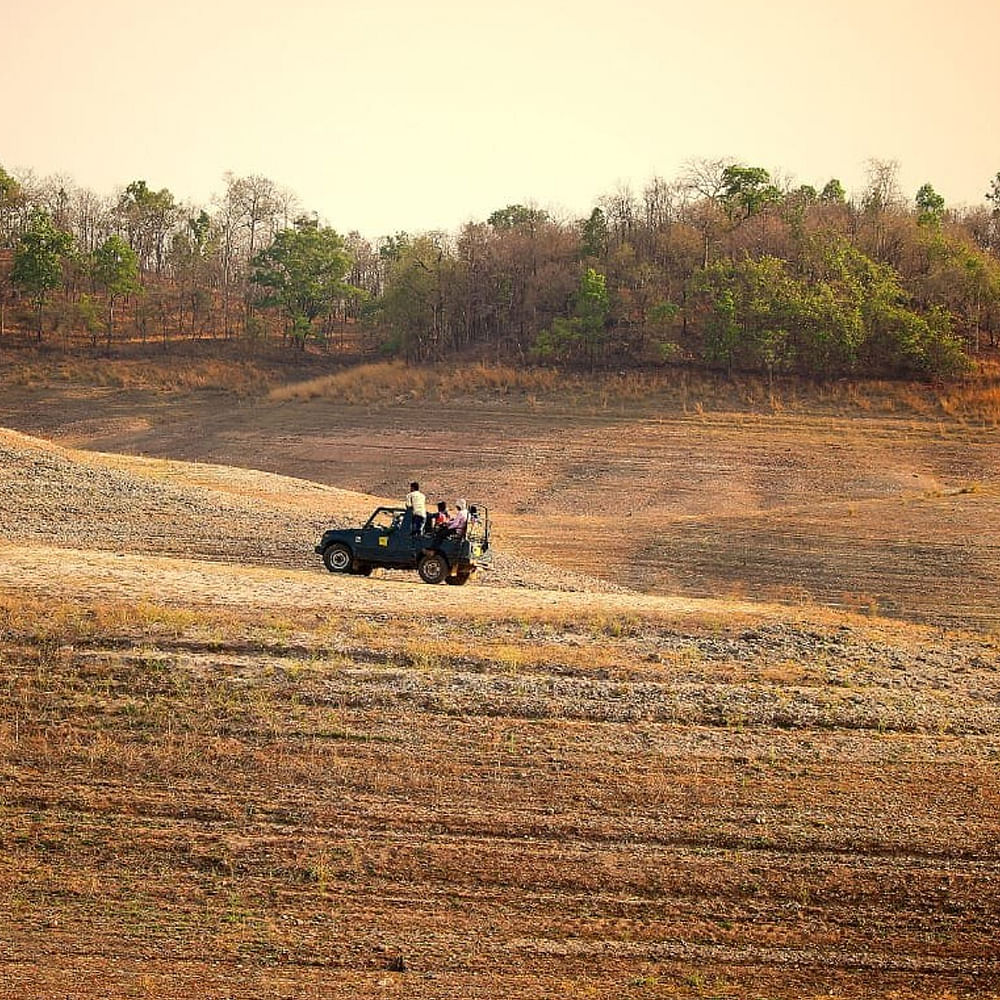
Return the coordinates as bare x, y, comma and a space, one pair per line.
721, 267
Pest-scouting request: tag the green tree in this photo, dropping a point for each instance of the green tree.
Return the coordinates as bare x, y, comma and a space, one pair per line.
993, 195
38, 259
584, 334
86, 314
833, 192
842, 312
411, 310
10, 196
116, 270
302, 273
190, 260
930, 206
391, 248
954, 274
149, 217
594, 235
10, 192
517, 217
746, 191
750, 310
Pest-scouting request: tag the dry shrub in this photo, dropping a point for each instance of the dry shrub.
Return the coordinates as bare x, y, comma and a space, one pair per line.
395, 381
670, 390
663, 391
978, 402
173, 374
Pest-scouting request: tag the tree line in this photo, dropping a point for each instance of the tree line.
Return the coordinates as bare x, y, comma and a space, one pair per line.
723, 266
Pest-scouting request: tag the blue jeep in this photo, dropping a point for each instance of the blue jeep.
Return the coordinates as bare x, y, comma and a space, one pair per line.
386, 539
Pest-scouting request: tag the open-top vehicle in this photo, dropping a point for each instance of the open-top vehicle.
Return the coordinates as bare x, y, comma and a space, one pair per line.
387, 539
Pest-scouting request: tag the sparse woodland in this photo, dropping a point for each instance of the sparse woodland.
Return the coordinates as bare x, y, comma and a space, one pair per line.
722, 267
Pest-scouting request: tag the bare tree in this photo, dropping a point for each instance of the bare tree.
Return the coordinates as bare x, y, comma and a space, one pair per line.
880, 200
658, 203
704, 182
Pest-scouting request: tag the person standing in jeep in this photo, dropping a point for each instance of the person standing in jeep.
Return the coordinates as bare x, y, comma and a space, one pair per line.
417, 503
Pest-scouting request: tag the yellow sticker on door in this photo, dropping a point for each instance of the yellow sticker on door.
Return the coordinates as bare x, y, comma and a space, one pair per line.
383, 541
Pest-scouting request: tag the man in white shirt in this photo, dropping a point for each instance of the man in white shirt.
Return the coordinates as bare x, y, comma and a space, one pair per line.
417, 503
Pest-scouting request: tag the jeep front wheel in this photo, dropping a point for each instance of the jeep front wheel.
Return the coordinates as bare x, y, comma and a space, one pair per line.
337, 558
433, 568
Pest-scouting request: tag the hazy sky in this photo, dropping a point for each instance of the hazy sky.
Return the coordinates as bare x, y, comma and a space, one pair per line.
391, 115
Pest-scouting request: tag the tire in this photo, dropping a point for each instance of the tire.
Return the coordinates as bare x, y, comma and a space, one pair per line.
433, 568
458, 580
337, 558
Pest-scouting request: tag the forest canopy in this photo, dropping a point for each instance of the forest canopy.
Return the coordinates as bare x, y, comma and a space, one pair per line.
723, 266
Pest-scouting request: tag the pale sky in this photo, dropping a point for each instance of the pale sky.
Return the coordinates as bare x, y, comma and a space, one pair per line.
391, 115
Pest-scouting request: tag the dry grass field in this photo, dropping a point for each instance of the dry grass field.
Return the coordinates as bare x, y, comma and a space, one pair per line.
724, 721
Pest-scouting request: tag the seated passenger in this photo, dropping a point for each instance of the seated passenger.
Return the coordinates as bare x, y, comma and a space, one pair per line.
459, 520
439, 517
450, 527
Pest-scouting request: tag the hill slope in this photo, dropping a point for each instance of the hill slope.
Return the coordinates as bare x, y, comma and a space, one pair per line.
252, 778
845, 506
69, 497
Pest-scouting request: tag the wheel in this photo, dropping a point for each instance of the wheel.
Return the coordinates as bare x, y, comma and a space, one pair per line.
337, 558
433, 568
458, 580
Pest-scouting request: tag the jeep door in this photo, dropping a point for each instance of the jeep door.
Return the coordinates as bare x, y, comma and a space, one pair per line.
383, 540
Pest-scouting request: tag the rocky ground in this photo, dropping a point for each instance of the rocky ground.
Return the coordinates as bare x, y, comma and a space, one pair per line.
52, 495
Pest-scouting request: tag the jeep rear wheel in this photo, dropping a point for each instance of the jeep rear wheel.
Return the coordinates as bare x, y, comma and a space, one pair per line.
433, 568
337, 558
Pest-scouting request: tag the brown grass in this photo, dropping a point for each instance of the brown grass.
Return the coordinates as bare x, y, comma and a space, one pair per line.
394, 381
976, 399
276, 375
172, 374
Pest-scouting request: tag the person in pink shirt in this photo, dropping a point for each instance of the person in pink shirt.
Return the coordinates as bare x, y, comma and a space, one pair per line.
459, 519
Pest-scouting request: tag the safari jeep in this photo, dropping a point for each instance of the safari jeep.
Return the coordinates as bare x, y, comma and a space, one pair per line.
386, 539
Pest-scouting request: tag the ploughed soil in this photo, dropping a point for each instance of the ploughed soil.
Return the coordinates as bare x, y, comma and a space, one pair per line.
227, 773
